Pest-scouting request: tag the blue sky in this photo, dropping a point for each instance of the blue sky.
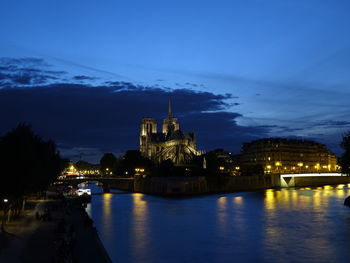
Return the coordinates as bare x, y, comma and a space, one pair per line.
285, 63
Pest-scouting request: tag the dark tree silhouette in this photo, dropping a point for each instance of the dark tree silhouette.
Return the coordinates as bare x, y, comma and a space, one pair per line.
214, 161
131, 160
28, 165
64, 163
108, 163
83, 165
344, 160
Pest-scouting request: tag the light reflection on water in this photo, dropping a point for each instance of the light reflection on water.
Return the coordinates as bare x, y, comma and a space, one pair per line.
107, 215
285, 225
139, 230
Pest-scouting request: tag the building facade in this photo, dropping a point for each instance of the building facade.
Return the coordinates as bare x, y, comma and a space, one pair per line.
278, 156
169, 144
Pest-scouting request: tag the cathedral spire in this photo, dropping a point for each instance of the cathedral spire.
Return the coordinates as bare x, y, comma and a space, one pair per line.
170, 113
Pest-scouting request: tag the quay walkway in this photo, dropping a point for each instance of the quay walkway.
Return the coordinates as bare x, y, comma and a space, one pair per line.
29, 240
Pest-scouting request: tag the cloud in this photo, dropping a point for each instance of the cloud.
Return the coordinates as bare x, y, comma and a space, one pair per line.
82, 77
26, 72
91, 119
332, 123
107, 118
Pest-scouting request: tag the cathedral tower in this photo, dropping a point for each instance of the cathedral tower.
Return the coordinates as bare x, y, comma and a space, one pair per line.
147, 128
170, 124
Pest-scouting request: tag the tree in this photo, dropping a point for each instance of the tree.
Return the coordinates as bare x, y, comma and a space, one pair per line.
108, 163
28, 165
215, 160
83, 165
131, 160
64, 163
344, 160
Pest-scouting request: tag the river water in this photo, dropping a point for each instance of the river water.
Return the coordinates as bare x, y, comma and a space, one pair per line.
287, 225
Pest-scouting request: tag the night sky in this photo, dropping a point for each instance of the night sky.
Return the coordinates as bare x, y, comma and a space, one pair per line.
84, 73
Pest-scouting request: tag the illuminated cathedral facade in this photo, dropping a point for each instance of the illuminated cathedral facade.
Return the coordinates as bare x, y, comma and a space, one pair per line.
169, 144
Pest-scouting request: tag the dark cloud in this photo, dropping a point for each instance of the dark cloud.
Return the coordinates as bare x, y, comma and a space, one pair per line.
88, 120
332, 123
82, 77
26, 72
106, 118
123, 85
191, 84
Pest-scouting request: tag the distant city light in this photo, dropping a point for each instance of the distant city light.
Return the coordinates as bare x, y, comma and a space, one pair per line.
6, 200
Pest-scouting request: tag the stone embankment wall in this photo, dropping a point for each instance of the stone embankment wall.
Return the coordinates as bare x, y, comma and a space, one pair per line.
242, 183
171, 185
120, 184
197, 185
168, 186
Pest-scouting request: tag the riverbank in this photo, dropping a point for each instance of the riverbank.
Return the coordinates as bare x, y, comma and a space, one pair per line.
52, 231
192, 186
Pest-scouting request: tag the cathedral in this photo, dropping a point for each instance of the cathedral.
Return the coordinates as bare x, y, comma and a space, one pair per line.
171, 143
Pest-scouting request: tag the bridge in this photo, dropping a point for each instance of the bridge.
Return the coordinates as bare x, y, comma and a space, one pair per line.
294, 180
124, 183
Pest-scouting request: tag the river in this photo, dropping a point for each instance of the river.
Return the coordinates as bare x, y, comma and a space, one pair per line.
286, 225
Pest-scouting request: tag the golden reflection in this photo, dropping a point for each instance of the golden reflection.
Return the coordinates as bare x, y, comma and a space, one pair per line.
139, 204
238, 200
222, 202
294, 198
278, 194
222, 213
340, 193
312, 208
272, 231
140, 228
317, 200
269, 199
107, 212
283, 195
107, 203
